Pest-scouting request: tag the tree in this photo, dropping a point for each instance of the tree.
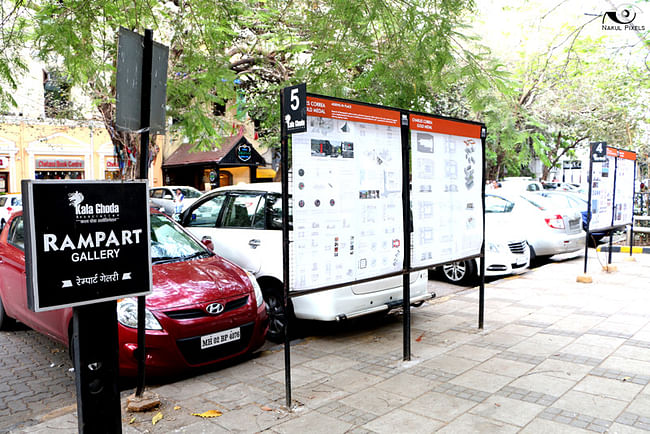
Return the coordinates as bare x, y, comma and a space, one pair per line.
13, 28
404, 53
567, 89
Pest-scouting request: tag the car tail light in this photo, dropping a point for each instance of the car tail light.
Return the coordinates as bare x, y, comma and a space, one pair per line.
556, 221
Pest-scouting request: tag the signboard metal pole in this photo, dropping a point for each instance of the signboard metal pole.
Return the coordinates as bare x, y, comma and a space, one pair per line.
589, 178
481, 293
590, 182
145, 113
611, 232
632, 224
408, 229
284, 162
95, 357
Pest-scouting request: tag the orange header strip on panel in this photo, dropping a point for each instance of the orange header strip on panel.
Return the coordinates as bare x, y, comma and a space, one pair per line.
612, 152
444, 126
628, 155
347, 111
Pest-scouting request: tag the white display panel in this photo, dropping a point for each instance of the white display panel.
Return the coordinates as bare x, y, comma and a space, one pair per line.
602, 192
624, 198
347, 194
446, 168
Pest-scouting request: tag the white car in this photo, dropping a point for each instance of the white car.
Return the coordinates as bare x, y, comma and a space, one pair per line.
519, 184
550, 226
8, 204
244, 223
162, 198
506, 249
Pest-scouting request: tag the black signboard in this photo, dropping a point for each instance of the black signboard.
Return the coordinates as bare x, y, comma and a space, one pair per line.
86, 242
294, 108
128, 85
598, 151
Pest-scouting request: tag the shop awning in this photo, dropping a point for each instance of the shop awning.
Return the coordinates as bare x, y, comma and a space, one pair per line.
235, 151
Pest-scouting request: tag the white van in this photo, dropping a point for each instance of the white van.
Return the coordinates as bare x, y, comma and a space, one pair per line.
244, 224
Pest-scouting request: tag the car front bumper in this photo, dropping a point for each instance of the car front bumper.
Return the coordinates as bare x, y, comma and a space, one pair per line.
167, 355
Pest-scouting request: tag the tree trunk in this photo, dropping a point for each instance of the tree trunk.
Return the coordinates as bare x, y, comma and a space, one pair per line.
126, 146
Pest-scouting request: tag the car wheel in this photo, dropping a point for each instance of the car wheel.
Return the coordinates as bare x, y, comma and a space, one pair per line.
6, 322
459, 272
533, 255
274, 298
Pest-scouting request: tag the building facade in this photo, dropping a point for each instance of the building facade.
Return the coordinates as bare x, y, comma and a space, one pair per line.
46, 149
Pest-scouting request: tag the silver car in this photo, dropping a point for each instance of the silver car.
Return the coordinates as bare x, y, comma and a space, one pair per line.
550, 227
162, 198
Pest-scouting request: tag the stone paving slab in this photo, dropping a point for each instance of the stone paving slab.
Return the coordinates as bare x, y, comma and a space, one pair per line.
554, 356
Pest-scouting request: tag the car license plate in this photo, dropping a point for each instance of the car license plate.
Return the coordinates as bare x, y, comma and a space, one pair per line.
223, 337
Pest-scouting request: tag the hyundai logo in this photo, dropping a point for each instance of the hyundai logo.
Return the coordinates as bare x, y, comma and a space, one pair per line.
214, 308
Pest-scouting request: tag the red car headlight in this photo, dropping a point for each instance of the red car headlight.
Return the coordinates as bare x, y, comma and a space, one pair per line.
127, 315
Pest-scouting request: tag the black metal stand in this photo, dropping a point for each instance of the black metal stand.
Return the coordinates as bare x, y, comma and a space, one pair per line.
408, 229
145, 113
284, 151
611, 231
95, 357
589, 180
481, 290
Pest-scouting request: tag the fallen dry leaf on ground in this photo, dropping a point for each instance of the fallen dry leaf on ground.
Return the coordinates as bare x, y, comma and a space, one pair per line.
265, 408
209, 413
157, 418
178, 407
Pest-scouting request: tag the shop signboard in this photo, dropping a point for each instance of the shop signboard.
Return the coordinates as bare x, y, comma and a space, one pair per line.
4, 162
347, 194
244, 152
446, 189
59, 164
112, 164
86, 242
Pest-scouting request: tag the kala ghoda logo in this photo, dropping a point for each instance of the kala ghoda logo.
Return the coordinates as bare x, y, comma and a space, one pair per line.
97, 213
622, 18
75, 199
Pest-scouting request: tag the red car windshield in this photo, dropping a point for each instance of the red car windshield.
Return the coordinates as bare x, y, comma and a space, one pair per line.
170, 244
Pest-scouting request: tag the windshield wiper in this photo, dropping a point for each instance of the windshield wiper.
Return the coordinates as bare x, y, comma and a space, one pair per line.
196, 255
166, 259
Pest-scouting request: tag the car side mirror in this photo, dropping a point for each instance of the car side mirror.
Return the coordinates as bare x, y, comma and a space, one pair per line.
207, 242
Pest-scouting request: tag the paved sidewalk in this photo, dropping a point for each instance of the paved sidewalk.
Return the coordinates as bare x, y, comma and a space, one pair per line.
555, 356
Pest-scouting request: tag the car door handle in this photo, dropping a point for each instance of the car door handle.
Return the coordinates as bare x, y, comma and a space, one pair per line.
254, 243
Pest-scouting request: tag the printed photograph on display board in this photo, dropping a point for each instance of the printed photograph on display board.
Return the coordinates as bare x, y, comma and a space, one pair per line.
624, 197
446, 162
602, 191
347, 194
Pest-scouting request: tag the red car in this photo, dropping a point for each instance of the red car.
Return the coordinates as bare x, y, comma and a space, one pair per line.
203, 309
